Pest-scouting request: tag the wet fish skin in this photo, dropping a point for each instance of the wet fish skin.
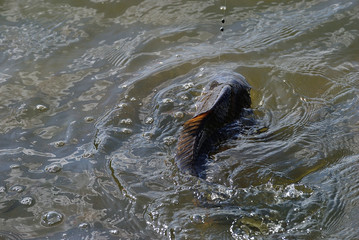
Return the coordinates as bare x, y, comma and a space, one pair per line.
221, 103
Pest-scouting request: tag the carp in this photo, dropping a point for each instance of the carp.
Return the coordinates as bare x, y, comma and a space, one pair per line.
221, 102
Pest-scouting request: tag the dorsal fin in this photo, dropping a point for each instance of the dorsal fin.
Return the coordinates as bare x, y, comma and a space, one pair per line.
187, 144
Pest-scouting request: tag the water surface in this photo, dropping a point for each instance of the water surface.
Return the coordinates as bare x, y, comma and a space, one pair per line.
93, 95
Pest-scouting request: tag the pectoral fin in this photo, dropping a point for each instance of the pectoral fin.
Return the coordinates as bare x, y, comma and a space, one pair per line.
187, 144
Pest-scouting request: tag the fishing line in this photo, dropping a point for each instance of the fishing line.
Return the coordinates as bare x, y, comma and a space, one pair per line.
223, 8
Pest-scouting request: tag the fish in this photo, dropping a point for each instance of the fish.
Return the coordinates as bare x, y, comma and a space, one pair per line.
222, 102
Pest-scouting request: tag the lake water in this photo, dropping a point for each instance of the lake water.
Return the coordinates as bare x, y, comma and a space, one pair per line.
93, 95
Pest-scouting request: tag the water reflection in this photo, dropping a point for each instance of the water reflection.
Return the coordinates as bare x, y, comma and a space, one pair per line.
93, 96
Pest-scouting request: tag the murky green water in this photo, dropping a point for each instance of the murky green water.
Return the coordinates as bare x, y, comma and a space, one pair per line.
93, 95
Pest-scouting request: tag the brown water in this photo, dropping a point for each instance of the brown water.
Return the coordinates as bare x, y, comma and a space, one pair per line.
93, 95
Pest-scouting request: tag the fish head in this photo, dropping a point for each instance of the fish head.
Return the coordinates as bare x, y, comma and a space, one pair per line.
226, 90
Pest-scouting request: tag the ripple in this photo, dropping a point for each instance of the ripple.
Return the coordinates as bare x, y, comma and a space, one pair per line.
264, 31
253, 211
10, 235
342, 195
47, 29
119, 53
171, 12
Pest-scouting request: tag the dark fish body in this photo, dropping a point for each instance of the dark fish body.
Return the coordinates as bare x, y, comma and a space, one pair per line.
221, 103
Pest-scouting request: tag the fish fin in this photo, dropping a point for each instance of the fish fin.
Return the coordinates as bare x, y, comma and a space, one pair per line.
186, 147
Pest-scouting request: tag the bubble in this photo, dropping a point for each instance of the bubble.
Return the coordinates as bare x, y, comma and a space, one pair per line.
147, 135
197, 218
188, 85
167, 100
89, 119
223, 8
133, 99
114, 232
169, 140
2, 189
149, 120
83, 225
126, 130
51, 218
53, 168
28, 201
59, 144
179, 115
126, 121
41, 108
184, 97
17, 188
122, 105
291, 192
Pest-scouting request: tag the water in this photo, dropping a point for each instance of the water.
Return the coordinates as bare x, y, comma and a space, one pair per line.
93, 95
